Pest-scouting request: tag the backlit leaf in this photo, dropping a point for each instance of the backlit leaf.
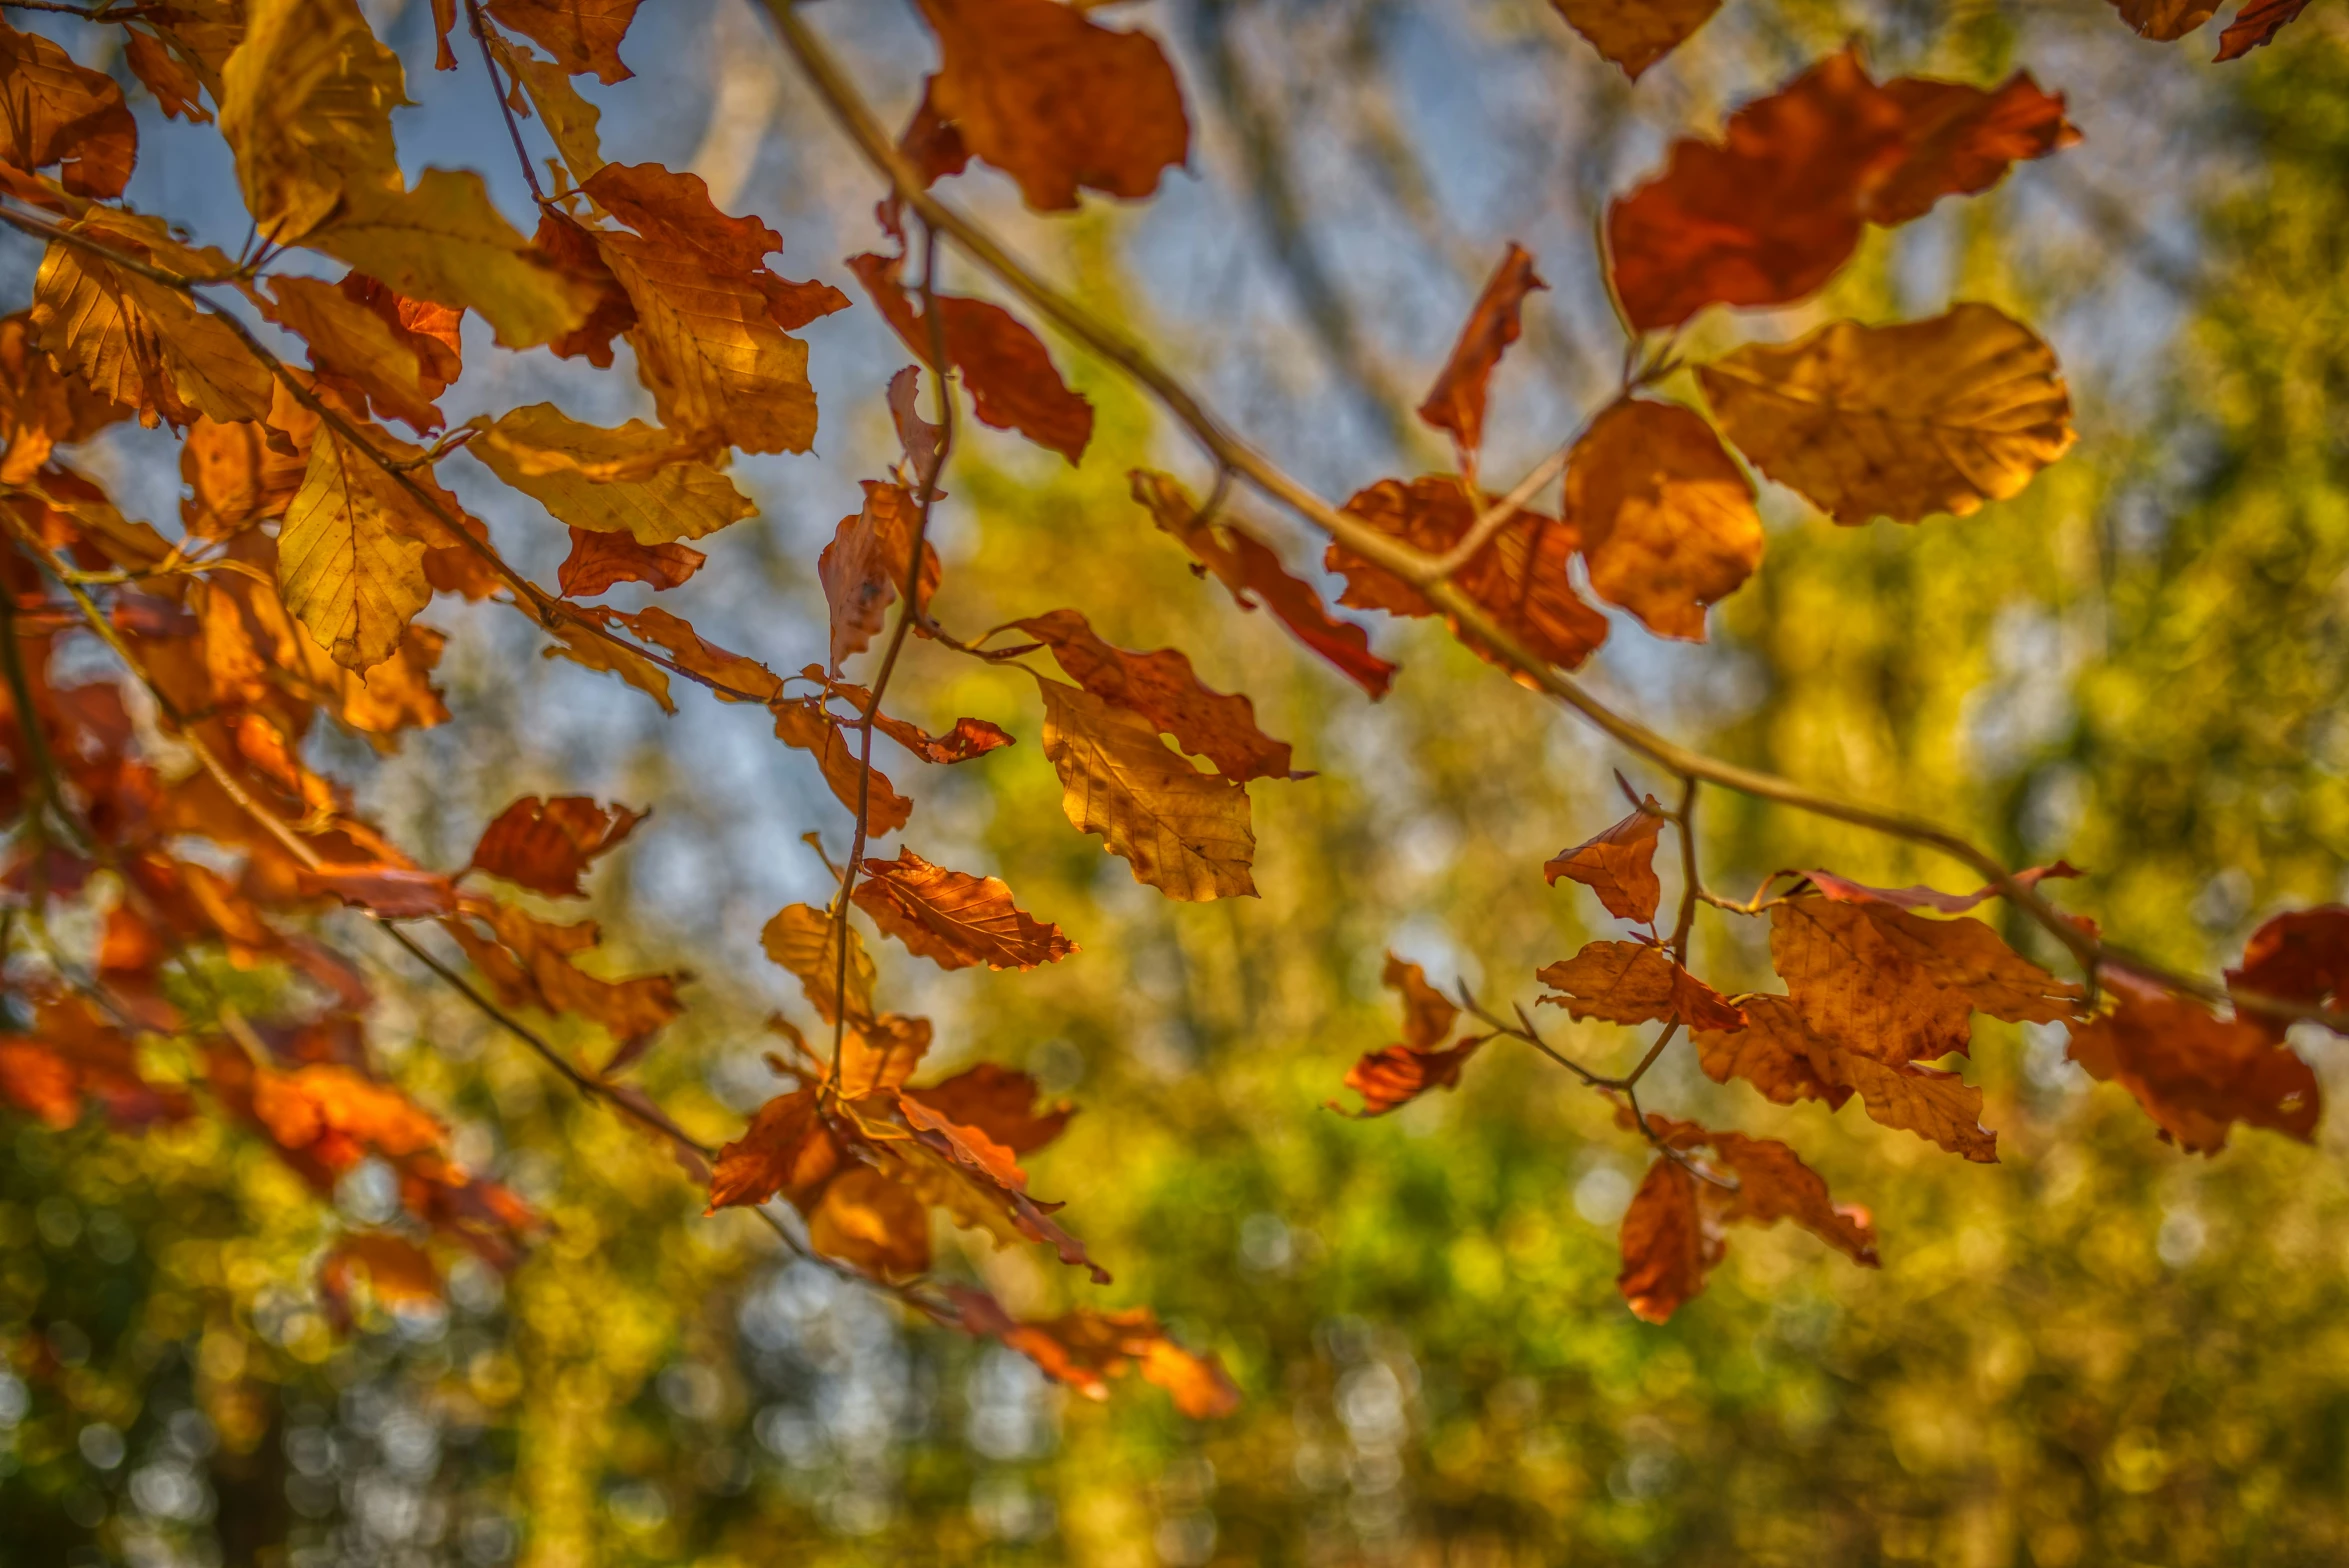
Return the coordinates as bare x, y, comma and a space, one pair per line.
178, 90
351, 555
1668, 1242
306, 107
1961, 139
1185, 832
1086, 1348
1619, 865
570, 120
62, 114
1902, 421
786, 1149
2257, 23
2195, 1073
1458, 400
1162, 688
2165, 20
1667, 519
544, 845
350, 340
1635, 34
584, 36
804, 940
2299, 956
1632, 983
803, 723
632, 478
955, 919
393, 892
1780, 1056
599, 561
864, 568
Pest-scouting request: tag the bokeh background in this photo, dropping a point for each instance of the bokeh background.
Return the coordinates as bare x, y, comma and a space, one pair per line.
2095, 1352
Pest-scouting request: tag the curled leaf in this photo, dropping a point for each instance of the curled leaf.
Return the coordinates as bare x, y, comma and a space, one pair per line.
1619, 865
545, 845
1457, 402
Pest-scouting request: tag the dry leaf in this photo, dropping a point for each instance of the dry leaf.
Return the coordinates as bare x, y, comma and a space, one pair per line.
1635, 34
599, 561
1162, 688
544, 845
1619, 865
1458, 400
63, 114
351, 555
1667, 519
2195, 1073
1185, 832
634, 478
955, 919
1633, 983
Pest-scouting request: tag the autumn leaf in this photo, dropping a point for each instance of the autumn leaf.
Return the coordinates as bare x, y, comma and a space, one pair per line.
570, 120
1962, 139
955, 919
306, 107
2299, 956
1774, 1184
178, 90
2257, 23
584, 36
1667, 519
633, 479
433, 332
803, 723
872, 1221
1185, 832
1086, 1348
570, 246
351, 555
1254, 575
583, 647
62, 114
1900, 422
600, 561
806, 941
41, 407
733, 677
1520, 578
74, 1055
1632, 983
786, 1149
2195, 1073
533, 963
1162, 688
1397, 1074
1056, 100
1458, 400
544, 845
1011, 378
1619, 865
968, 738
391, 892
999, 1102
922, 440
1844, 890
1635, 34
865, 566
348, 339
1668, 1243
397, 1271
2165, 20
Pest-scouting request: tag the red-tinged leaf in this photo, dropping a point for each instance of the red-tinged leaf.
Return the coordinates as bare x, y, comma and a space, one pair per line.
1667, 517
1056, 100
1635, 34
879, 1053
991, 1169
675, 209
786, 1150
569, 245
1520, 578
397, 1271
873, 1221
955, 919
598, 561
1254, 576
1185, 832
1011, 378
1086, 1348
1395, 1075
76, 1055
920, 438
545, 845
969, 738
178, 91
2195, 1073
393, 892
1163, 688
1669, 1243
2165, 20
1845, 891
1619, 865
863, 569
583, 35
61, 113
737, 679
2300, 956
1000, 1103
1457, 401
433, 332
334, 1117
1774, 1184
803, 723
533, 963
1962, 140
2257, 23
1634, 983
805, 941
444, 22
931, 142
1780, 1056
1428, 1014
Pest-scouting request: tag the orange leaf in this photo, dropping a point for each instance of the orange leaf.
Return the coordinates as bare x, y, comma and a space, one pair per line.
399, 1272
434, 332
60, 113
1779, 1055
872, 1221
2299, 956
599, 560
802, 722
953, 918
920, 438
1395, 1075
178, 91
583, 35
544, 845
863, 569
1163, 688
1774, 1184
393, 892
1520, 578
1633, 983
1056, 100
1457, 401
1086, 1348
1619, 865
2195, 1073
1428, 1014
570, 246
1012, 381
969, 738
1667, 517
786, 1149
1962, 140
1844, 890
1000, 1103
1635, 34
1669, 1243
2165, 20
1255, 576
743, 679
529, 962
2257, 23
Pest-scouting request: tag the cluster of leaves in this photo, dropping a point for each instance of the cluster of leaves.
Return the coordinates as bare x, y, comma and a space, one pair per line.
314, 536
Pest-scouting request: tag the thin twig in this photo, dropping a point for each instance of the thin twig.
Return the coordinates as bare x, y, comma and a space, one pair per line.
1494, 518
505, 107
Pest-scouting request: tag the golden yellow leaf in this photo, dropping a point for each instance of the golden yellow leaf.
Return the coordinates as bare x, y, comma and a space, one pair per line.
803, 939
445, 241
306, 108
141, 343
1901, 421
1185, 832
632, 478
351, 340
1635, 34
581, 646
1668, 521
350, 560
710, 353
569, 119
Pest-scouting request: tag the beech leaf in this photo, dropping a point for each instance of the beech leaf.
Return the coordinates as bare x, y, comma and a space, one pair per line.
1163, 688
1185, 832
1667, 519
1619, 865
955, 919
544, 845
1635, 34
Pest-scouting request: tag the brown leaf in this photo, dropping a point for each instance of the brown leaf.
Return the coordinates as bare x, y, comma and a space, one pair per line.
1011, 378
1844, 890
1635, 34
581, 646
393, 892
1428, 1014
59, 113
1774, 1184
531, 963
920, 438
1457, 401
786, 1149
1000, 1103
1962, 140
953, 918
1633, 983
397, 1272
544, 845
1619, 865
2165, 20
583, 35
1902, 421
1086, 1348
1185, 832
738, 679
2257, 23
1395, 1075
599, 561
2195, 1073
1255, 576
1520, 578
805, 941
865, 566
178, 90
802, 722
1667, 518
1669, 1243
1056, 100
634, 478
348, 339
1163, 688
1779, 1055
41, 408
2299, 956
570, 246
969, 738
434, 332
878, 1224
